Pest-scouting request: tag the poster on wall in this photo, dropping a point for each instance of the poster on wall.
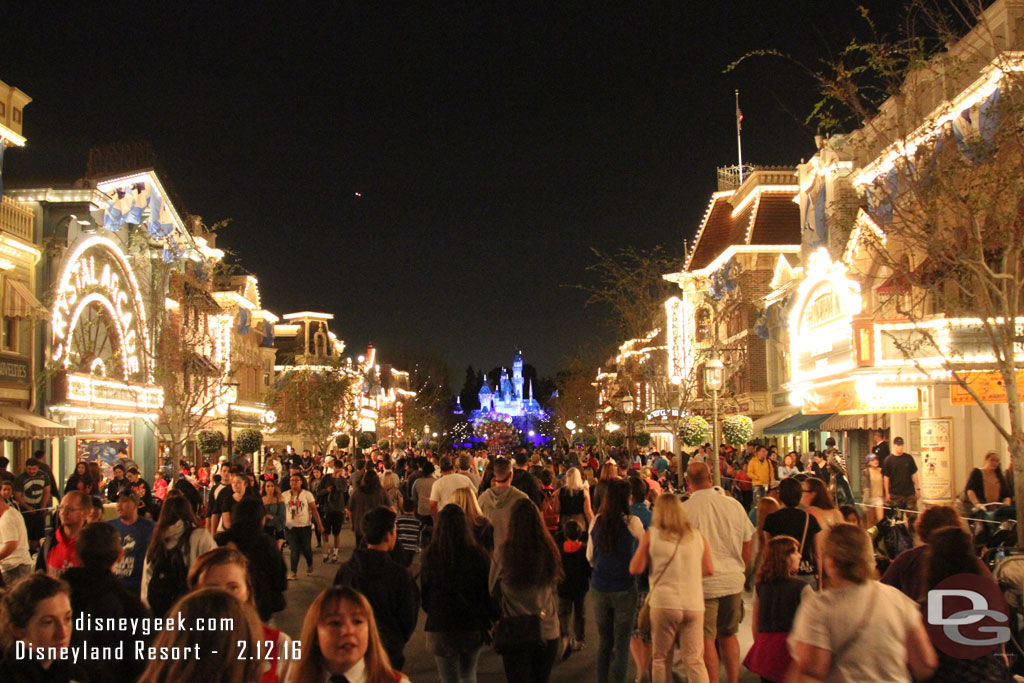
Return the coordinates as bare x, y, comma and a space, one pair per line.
102, 450
936, 473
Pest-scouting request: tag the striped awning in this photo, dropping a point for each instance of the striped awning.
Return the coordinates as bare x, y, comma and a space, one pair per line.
10, 430
19, 302
845, 423
34, 426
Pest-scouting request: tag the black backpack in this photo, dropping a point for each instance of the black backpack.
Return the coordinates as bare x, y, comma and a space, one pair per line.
170, 577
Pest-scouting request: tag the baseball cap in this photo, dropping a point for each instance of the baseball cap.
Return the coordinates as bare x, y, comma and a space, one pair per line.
898, 441
223, 458
871, 456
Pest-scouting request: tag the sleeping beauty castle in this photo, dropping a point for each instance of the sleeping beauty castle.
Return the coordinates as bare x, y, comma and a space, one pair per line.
508, 397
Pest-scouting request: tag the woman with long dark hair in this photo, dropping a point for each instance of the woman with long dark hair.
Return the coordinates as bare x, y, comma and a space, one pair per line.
614, 534
455, 595
524, 579
368, 495
951, 552
176, 532
817, 500
340, 638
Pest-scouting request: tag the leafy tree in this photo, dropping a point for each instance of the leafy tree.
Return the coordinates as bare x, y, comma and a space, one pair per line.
312, 403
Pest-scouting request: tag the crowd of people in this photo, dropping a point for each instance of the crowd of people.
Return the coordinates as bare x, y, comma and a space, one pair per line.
501, 551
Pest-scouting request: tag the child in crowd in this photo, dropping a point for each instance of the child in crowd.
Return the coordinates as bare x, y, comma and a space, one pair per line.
573, 591
409, 528
779, 593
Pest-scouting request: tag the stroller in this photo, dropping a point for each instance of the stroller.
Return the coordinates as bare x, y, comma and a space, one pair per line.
1009, 573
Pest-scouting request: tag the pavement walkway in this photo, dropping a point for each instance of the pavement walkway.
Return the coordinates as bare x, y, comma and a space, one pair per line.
419, 666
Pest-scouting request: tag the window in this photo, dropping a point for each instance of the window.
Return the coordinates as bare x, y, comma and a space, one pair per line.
703, 325
16, 115
3, 109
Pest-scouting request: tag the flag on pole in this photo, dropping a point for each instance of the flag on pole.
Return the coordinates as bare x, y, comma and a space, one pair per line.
739, 117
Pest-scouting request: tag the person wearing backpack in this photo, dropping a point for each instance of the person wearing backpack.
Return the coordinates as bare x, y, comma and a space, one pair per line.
178, 540
551, 503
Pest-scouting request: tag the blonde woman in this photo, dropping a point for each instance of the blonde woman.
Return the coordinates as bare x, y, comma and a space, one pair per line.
389, 482
574, 499
228, 655
340, 638
679, 558
482, 530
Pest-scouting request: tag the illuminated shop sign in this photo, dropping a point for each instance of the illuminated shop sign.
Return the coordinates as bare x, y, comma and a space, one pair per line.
820, 325
97, 276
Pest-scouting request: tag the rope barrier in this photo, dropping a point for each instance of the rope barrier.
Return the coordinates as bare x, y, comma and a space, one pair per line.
917, 512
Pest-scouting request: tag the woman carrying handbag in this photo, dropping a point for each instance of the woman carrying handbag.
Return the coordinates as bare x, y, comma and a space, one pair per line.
679, 558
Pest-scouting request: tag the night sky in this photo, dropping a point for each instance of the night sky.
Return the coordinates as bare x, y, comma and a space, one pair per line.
492, 144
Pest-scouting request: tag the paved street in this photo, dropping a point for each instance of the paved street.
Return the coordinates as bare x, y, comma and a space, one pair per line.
420, 665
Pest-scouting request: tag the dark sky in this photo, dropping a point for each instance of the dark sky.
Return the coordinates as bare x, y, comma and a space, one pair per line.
492, 143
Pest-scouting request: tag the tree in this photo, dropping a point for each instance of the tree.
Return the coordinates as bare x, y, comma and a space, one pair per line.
577, 398
193, 383
312, 403
630, 284
939, 213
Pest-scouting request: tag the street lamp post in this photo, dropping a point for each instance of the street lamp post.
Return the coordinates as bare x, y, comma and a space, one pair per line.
627, 404
713, 380
570, 427
230, 396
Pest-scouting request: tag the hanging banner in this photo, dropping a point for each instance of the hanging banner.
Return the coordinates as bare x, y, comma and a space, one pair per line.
988, 385
936, 471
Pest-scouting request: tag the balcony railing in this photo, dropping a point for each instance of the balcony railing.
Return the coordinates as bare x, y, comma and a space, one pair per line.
15, 219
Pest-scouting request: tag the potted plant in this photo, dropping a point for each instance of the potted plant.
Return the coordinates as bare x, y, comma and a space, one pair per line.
694, 430
737, 430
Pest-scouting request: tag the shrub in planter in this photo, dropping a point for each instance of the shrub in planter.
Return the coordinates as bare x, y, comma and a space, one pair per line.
643, 439
616, 439
249, 440
366, 440
209, 441
342, 440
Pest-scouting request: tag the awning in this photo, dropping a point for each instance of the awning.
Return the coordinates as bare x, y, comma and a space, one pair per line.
35, 426
762, 423
9, 430
845, 423
19, 302
797, 423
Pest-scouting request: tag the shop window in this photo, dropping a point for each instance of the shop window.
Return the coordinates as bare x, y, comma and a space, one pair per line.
10, 334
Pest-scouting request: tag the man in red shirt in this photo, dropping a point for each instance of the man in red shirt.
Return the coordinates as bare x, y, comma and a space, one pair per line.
61, 556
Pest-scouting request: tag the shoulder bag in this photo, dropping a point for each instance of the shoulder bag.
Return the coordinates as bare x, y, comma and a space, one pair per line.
516, 631
643, 617
805, 566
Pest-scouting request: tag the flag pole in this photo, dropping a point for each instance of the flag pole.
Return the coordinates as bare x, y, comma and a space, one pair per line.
739, 142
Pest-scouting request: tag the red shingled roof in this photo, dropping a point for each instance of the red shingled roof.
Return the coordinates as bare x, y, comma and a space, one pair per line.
776, 221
